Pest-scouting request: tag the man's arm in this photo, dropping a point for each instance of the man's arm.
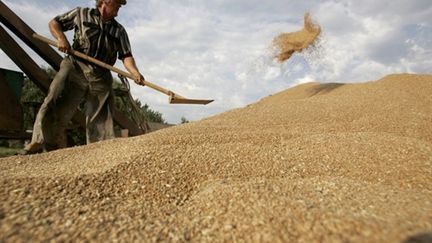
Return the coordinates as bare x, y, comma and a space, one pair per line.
56, 31
130, 65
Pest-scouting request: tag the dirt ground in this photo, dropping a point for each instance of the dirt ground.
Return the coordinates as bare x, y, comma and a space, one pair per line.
315, 163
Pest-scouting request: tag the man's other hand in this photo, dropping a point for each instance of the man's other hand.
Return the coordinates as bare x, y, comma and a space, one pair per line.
140, 79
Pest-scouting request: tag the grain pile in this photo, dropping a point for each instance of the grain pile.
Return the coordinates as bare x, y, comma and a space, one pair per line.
318, 162
288, 43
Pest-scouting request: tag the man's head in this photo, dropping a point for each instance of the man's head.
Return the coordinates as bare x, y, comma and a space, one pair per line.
109, 8
99, 2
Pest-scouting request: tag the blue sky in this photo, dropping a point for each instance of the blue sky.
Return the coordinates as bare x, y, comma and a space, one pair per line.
221, 49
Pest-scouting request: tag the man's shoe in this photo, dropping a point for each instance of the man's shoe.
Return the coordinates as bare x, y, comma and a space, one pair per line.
32, 148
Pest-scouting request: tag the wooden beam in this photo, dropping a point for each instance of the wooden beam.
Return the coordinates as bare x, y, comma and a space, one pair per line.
23, 61
29, 67
25, 33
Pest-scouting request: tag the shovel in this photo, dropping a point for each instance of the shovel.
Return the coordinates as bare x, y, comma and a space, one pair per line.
173, 97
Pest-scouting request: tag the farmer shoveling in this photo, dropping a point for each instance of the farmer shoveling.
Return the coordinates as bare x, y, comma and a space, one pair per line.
84, 75
288, 43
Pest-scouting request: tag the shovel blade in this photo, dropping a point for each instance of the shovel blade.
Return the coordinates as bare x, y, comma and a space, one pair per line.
176, 100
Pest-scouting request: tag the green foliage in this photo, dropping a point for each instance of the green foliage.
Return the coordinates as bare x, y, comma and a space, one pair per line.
152, 116
77, 136
9, 147
5, 152
123, 103
31, 99
184, 120
31, 93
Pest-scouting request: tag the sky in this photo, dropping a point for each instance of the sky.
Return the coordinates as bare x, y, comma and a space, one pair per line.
222, 49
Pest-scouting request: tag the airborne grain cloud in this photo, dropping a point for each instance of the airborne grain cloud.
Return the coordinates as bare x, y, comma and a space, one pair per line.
288, 43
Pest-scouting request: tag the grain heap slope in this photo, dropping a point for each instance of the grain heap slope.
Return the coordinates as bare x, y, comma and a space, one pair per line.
318, 162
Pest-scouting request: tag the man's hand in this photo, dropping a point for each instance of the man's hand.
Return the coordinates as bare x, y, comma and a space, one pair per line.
139, 79
63, 45
62, 42
129, 63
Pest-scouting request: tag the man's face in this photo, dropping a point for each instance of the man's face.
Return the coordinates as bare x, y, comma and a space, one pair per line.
112, 8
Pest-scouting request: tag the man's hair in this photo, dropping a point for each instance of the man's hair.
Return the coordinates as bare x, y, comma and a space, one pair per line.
99, 2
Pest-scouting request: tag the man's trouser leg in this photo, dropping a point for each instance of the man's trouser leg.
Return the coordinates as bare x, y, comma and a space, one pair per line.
45, 114
64, 111
99, 121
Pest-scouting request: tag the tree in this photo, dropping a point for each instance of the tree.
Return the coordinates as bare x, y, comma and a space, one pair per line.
184, 120
124, 104
31, 99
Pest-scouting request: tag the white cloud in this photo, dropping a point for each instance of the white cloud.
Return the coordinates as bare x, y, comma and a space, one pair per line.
363, 40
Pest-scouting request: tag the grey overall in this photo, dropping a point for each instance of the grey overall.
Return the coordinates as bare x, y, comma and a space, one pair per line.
74, 83
78, 81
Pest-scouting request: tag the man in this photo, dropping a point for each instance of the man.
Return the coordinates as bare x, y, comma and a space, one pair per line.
99, 35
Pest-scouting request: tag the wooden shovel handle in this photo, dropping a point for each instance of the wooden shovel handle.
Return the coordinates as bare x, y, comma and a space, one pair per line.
107, 66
